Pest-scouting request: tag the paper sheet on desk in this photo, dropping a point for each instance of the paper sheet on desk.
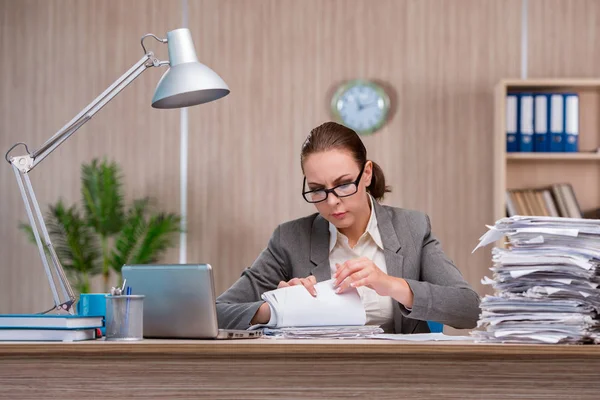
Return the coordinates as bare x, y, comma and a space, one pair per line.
295, 307
423, 337
324, 332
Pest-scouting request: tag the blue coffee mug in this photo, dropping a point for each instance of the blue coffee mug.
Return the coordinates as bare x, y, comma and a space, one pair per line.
93, 305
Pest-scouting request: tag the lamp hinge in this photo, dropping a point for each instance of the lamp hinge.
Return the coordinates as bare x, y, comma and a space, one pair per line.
23, 163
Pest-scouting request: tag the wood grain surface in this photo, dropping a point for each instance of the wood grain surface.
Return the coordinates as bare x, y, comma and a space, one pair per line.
297, 369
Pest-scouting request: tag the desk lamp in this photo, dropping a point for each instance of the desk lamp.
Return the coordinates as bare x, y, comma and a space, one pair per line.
187, 82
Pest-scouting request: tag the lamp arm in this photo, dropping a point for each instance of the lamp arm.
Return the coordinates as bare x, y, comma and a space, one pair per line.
88, 112
65, 298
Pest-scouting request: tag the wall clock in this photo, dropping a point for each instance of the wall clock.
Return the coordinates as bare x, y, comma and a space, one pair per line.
361, 105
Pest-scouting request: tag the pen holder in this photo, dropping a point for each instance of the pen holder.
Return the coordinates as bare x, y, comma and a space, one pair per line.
125, 317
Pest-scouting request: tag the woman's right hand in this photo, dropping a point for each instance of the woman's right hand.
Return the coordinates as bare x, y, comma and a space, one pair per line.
263, 314
309, 283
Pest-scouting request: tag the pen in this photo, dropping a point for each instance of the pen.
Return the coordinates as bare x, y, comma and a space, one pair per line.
125, 325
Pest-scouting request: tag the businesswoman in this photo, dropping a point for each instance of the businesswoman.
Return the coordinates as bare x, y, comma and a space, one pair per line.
389, 254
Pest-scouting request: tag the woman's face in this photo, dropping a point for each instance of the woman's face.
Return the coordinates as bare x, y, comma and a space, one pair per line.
332, 168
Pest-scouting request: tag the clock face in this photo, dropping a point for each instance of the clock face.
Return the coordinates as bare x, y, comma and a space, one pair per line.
361, 105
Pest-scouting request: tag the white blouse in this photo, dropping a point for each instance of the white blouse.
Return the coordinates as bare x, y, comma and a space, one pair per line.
379, 309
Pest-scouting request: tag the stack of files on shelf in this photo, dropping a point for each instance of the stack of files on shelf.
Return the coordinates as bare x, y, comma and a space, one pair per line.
542, 122
546, 282
558, 200
44, 327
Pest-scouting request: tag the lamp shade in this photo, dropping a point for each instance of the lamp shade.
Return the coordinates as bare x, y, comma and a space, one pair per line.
187, 82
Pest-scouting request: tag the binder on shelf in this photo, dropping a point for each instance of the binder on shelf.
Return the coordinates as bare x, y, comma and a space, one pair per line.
571, 203
541, 202
541, 122
520, 201
525, 128
550, 204
512, 140
511, 204
560, 202
557, 122
571, 138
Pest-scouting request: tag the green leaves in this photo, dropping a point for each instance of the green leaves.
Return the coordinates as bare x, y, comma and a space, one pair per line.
101, 192
144, 237
105, 236
74, 241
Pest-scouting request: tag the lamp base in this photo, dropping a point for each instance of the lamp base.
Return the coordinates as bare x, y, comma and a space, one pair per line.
65, 308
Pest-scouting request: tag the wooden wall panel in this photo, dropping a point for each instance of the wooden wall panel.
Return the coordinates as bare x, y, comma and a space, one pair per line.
282, 59
564, 39
563, 43
57, 56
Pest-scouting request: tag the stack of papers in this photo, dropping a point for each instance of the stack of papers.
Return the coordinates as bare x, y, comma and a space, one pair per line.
423, 337
324, 332
294, 306
299, 315
546, 283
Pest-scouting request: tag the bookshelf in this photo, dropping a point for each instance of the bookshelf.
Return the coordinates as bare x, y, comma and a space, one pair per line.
553, 156
533, 170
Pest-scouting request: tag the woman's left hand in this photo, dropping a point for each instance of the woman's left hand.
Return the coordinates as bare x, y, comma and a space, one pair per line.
362, 272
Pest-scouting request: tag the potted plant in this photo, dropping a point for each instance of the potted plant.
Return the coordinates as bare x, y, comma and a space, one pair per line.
106, 234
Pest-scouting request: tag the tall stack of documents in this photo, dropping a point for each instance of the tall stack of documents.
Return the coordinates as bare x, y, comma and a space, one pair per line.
546, 282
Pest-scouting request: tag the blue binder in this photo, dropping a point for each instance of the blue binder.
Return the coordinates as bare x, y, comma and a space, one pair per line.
541, 122
571, 138
512, 115
557, 122
525, 129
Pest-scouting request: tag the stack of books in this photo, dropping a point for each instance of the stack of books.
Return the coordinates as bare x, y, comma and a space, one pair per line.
546, 282
43, 327
558, 200
542, 122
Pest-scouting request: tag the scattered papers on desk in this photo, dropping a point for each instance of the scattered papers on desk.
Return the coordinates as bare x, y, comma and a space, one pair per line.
324, 332
295, 307
546, 283
423, 337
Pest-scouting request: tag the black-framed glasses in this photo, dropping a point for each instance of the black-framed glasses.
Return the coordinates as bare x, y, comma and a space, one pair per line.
343, 190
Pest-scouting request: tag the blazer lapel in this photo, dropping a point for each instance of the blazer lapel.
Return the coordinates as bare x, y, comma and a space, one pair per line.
391, 249
391, 244
319, 249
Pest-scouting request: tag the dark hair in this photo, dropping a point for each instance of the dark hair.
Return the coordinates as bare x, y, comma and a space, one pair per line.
331, 135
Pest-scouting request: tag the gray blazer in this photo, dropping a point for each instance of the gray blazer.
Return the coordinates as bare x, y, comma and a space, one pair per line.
300, 248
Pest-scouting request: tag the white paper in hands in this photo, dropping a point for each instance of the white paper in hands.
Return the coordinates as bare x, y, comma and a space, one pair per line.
295, 306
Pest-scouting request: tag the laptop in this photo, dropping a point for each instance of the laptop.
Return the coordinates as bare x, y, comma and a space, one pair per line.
179, 302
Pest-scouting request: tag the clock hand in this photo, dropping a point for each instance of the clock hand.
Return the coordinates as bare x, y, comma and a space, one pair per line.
369, 104
359, 104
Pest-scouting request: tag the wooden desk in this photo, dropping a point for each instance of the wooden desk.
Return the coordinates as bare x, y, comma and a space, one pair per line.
265, 368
